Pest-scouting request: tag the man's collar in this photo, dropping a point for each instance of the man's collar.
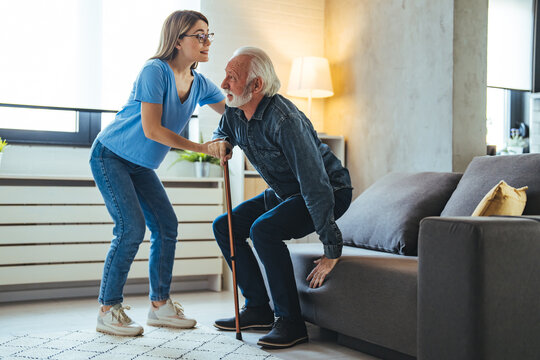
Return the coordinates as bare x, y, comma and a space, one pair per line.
263, 104
237, 111
259, 111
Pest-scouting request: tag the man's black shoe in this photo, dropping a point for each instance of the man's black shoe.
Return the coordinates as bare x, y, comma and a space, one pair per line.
255, 318
285, 333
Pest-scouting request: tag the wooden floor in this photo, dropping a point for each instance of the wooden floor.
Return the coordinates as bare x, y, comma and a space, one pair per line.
205, 306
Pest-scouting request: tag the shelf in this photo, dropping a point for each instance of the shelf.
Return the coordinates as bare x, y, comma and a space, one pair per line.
326, 136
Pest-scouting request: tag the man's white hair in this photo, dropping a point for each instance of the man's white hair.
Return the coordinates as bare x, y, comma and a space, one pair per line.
261, 66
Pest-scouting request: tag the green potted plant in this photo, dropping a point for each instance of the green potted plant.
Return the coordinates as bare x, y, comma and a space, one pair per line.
202, 161
3, 145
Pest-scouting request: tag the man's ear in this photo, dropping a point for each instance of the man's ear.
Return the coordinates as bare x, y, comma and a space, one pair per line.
257, 85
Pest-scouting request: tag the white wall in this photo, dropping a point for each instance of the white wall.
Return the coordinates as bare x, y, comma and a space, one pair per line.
45, 160
61, 161
469, 82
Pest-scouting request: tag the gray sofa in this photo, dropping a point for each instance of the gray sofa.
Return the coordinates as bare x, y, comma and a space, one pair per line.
420, 278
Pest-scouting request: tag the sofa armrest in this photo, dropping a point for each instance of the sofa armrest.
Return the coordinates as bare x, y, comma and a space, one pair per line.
479, 288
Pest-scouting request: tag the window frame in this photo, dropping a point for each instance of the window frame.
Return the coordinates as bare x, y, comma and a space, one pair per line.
89, 126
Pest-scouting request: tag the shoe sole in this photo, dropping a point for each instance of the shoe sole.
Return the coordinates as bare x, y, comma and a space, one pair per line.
157, 323
247, 327
104, 331
268, 345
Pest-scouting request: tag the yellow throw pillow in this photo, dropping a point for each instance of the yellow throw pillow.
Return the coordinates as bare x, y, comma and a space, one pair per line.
502, 200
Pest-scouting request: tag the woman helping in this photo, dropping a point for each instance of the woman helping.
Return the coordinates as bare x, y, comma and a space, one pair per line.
123, 160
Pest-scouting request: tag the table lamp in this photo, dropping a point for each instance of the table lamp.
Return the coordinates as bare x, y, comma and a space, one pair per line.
310, 77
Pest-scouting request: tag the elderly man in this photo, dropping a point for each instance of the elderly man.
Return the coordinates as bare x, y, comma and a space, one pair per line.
309, 189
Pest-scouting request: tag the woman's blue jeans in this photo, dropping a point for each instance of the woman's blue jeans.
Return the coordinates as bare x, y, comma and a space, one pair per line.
134, 197
267, 224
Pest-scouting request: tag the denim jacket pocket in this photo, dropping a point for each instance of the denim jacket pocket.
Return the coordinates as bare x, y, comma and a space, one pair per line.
274, 157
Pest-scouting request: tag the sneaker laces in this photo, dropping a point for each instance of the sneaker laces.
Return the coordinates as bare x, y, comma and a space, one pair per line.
178, 308
120, 315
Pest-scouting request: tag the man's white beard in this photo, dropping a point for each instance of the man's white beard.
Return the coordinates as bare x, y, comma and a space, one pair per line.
238, 100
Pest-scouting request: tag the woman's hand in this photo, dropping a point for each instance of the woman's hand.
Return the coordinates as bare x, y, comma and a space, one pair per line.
218, 148
323, 268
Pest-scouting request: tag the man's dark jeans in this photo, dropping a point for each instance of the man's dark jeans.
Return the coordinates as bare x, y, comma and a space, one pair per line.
267, 221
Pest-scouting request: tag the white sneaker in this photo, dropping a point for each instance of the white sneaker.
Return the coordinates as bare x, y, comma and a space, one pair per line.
169, 314
116, 322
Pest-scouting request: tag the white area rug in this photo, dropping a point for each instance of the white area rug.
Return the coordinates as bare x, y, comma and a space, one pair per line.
200, 343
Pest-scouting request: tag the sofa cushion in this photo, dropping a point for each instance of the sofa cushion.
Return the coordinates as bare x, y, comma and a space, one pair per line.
502, 200
387, 215
484, 172
369, 295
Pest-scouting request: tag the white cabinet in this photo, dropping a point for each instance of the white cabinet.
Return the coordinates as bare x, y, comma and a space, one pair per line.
336, 144
57, 230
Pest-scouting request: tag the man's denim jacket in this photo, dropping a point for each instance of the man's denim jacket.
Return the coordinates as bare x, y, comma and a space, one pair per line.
282, 145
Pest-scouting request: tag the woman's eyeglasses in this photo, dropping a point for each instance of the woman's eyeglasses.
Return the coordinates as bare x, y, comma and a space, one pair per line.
201, 37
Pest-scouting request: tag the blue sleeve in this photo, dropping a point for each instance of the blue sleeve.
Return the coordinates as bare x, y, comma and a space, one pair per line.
150, 85
209, 92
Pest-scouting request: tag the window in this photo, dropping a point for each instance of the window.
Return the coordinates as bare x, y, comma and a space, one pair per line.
498, 117
72, 63
510, 44
49, 125
23, 118
510, 70
55, 126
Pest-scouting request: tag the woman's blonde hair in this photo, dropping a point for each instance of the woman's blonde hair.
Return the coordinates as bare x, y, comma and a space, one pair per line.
175, 27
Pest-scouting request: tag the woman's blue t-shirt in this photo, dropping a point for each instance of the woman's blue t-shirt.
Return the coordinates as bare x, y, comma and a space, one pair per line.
155, 84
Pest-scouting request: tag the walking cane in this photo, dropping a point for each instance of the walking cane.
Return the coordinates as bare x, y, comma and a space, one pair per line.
231, 244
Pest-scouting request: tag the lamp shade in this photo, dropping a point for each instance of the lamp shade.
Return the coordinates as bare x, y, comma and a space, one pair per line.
310, 77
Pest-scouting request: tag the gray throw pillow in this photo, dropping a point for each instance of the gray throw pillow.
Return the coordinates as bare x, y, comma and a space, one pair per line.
484, 172
386, 216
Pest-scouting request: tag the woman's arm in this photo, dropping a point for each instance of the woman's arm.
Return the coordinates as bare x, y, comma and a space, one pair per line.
151, 123
218, 107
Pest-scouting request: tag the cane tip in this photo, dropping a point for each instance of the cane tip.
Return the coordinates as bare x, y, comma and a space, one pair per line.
238, 336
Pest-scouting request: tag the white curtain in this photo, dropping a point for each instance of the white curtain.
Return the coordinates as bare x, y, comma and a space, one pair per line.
510, 44
77, 53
